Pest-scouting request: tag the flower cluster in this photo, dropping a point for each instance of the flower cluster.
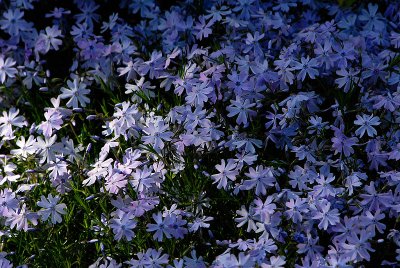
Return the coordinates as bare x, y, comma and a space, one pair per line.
216, 133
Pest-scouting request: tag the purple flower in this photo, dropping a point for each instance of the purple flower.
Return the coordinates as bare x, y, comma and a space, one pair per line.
390, 102
327, 216
203, 28
199, 223
358, 246
371, 222
53, 122
48, 40
226, 171
20, 217
348, 78
198, 94
246, 217
260, 178
297, 207
307, 66
366, 123
51, 208
161, 227
374, 200
13, 23
264, 209
156, 134
116, 182
343, 144
241, 108
122, 225
7, 69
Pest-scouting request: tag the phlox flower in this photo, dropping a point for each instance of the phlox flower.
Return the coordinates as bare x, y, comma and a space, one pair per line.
345, 228
53, 122
226, 171
88, 14
342, 143
13, 22
48, 40
47, 148
51, 208
253, 43
7, 69
154, 66
105, 262
347, 79
245, 217
10, 119
390, 102
371, 222
264, 209
76, 93
151, 258
156, 134
126, 118
8, 171
327, 216
122, 225
144, 179
241, 108
358, 246
197, 95
8, 202
19, 218
115, 182
306, 66
161, 227
230, 260
140, 86
144, 6
297, 207
366, 124
4, 263
260, 178
199, 223
203, 28
57, 13
275, 262
194, 261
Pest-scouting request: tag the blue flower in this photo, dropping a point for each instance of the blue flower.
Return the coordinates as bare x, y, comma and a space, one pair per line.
366, 123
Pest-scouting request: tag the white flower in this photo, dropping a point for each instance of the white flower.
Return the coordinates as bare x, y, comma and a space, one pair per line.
10, 119
47, 149
6, 69
76, 91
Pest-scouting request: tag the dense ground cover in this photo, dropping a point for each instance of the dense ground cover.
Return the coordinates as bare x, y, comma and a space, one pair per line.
218, 133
